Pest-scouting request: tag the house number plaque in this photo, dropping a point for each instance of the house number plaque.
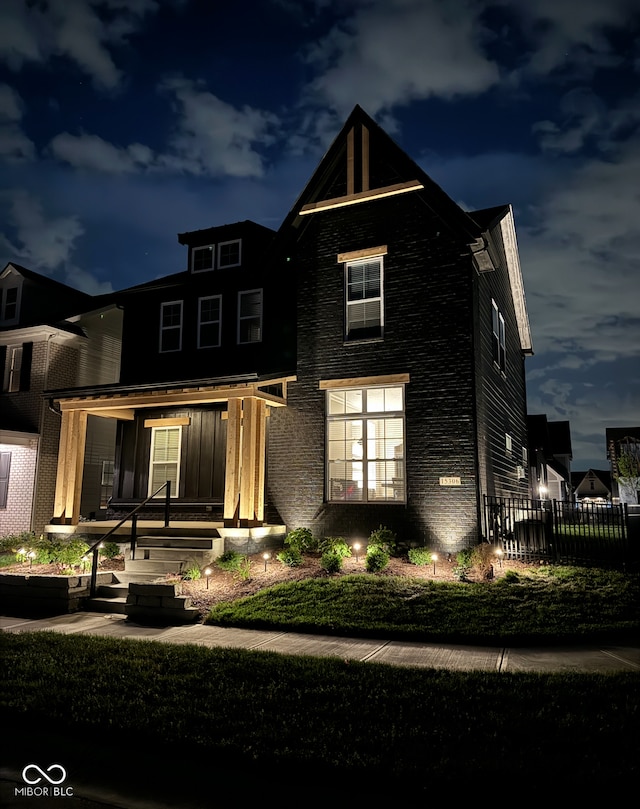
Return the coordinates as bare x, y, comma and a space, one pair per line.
450, 482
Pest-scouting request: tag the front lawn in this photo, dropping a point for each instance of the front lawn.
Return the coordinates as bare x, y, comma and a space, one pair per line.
546, 604
347, 728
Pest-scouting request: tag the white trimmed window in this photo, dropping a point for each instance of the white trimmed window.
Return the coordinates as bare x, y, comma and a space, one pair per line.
164, 463
203, 258
171, 326
209, 321
9, 304
12, 369
498, 342
250, 316
364, 299
365, 445
230, 254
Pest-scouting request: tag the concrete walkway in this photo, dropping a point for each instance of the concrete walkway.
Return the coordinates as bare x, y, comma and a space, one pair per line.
587, 658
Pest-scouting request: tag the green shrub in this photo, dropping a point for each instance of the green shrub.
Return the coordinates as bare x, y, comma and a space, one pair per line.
420, 556
243, 570
7, 559
66, 552
229, 561
510, 577
110, 550
336, 545
301, 540
331, 561
192, 572
377, 558
482, 558
291, 557
384, 538
13, 542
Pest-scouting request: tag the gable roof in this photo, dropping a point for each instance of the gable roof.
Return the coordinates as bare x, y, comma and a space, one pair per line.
364, 164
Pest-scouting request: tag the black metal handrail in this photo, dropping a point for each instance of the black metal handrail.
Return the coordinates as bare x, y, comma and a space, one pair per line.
133, 516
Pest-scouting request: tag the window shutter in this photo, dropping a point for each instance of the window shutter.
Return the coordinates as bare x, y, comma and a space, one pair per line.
3, 362
5, 467
25, 368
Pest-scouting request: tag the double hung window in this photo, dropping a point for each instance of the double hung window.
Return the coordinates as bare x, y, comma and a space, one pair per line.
209, 321
229, 254
165, 459
203, 258
365, 444
364, 300
171, 326
13, 369
250, 316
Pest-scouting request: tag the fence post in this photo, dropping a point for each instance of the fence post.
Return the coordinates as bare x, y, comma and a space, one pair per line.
94, 572
134, 535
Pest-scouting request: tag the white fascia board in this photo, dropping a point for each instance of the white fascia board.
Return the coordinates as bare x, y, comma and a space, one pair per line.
510, 242
36, 334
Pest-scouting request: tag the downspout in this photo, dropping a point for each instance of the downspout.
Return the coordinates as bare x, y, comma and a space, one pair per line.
45, 386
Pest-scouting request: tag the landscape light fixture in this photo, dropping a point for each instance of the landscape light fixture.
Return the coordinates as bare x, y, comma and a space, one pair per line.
207, 573
434, 559
266, 557
356, 548
31, 555
499, 555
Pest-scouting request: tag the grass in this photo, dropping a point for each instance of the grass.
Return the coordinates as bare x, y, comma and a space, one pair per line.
375, 724
551, 604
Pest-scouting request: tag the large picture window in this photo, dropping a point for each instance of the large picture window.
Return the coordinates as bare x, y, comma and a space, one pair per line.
364, 301
365, 444
165, 458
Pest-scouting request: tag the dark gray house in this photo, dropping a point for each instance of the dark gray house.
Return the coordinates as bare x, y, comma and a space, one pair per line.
361, 366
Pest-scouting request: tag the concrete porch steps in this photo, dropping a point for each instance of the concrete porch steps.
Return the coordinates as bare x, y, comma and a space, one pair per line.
110, 598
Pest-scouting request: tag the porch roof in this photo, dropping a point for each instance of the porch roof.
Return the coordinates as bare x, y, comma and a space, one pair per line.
120, 401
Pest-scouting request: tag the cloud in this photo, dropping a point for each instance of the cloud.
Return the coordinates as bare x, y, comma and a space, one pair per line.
93, 153
571, 36
40, 243
391, 52
15, 146
84, 31
85, 282
213, 137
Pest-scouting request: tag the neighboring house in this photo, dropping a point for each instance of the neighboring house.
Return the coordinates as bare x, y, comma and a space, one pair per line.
363, 366
50, 335
624, 441
592, 486
549, 458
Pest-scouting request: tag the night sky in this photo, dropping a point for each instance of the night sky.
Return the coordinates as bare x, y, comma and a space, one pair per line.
125, 122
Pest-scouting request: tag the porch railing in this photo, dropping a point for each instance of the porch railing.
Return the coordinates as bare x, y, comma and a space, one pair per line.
133, 516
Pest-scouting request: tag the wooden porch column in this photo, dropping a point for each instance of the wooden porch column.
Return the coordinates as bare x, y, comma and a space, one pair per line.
73, 436
253, 461
233, 461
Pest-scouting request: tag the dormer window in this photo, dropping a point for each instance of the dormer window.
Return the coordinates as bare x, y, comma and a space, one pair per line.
9, 305
229, 254
202, 258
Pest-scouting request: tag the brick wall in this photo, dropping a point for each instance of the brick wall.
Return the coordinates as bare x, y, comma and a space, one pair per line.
16, 517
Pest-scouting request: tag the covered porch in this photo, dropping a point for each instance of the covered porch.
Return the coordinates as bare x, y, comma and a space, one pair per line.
241, 407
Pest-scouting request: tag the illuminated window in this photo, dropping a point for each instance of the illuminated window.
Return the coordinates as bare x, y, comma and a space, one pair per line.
364, 303
165, 459
498, 344
229, 254
508, 443
250, 316
202, 258
365, 445
171, 326
209, 321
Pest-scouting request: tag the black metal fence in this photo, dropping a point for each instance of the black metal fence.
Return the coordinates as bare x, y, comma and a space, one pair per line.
558, 531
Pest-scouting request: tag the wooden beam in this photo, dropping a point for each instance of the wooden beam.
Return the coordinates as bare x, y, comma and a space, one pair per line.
367, 252
177, 421
363, 381
360, 196
350, 163
233, 459
124, 414
167, 399
365, 158
261, 460
60, 500
79, 443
